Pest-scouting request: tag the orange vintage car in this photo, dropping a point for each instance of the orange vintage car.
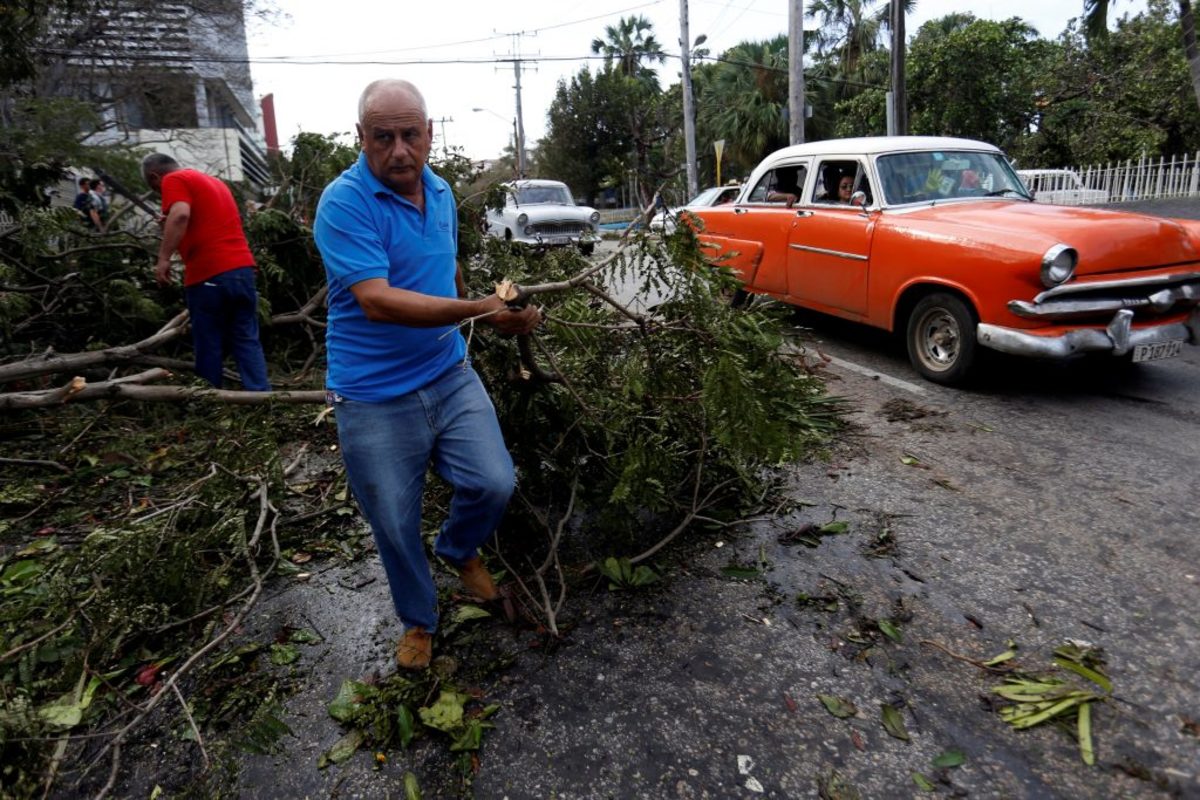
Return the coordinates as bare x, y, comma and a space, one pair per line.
938, 238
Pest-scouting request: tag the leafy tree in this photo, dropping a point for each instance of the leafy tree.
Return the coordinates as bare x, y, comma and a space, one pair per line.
1122, 96
587, 142
951, 96
865, 112
1096, 27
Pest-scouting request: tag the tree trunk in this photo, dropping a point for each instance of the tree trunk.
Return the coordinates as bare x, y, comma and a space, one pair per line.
1188, 22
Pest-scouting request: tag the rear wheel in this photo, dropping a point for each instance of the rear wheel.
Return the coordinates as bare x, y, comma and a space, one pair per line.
741, 299
941, 339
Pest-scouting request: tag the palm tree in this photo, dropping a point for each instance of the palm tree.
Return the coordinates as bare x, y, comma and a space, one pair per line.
628, 43
1095, 17
848, 28
746, 101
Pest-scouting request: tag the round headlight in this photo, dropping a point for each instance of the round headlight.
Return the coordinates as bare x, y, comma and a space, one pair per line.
1058, 265
522, 219
595, 217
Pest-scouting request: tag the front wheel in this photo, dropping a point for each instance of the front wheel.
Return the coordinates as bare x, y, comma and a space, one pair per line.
941, 339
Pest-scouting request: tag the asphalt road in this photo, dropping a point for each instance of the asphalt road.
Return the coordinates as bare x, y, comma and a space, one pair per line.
1051, 503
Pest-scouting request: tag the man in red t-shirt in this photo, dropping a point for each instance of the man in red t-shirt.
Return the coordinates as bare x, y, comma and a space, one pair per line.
201, 221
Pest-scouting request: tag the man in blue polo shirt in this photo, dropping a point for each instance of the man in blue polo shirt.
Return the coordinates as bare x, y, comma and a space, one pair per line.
399, 377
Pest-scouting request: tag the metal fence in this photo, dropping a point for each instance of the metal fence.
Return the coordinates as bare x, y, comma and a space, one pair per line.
1144, 179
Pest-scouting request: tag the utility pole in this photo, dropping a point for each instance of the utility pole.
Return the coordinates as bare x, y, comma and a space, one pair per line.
689, 104
796, 71
899, 96
519, 123
445, 144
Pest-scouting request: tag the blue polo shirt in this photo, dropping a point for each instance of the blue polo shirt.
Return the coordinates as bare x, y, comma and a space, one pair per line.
365, 230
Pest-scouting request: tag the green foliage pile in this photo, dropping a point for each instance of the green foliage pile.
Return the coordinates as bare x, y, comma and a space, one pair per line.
113, 572
651, 421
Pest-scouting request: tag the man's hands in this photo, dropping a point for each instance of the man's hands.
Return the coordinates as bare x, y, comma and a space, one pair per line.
510, 320
162, 271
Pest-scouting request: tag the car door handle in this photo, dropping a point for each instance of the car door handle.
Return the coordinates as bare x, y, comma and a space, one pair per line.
741, 211
804, 213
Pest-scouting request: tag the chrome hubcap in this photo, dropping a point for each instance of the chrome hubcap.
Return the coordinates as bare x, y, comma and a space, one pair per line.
939, 339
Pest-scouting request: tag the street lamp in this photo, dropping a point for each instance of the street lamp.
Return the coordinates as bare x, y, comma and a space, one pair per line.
517, 144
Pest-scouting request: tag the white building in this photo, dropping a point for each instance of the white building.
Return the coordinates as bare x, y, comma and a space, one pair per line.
171, 77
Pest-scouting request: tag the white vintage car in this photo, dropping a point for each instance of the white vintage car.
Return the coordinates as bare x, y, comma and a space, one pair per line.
1061, 187
542, 213
664, 220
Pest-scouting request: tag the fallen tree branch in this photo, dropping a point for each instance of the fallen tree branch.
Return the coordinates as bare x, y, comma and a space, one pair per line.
50, 363
303, 314
35, 462
132, 387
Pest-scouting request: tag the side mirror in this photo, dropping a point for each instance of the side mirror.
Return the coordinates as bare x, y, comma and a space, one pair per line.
859, 199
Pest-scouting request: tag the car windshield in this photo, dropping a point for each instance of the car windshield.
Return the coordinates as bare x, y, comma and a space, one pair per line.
706, 197
532, 195
945, 175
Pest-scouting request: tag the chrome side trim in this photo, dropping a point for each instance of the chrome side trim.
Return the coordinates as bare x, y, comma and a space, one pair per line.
1075, 288
1118, 338
824, 252
1159, 301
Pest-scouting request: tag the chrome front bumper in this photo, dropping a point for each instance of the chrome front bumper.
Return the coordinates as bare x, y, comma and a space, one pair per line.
1119, 338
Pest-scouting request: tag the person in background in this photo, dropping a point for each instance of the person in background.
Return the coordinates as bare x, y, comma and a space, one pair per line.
100, 195
201, 221
88, 206
400, 379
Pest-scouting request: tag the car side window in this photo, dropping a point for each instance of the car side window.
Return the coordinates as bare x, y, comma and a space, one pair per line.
838, 180
780, 185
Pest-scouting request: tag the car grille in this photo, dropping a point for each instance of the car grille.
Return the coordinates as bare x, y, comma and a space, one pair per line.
560, 228
1146, 297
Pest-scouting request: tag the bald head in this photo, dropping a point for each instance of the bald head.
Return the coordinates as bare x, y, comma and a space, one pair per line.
389, 91
396, 135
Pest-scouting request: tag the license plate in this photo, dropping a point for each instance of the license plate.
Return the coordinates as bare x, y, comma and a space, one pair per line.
557, 240
1156, 351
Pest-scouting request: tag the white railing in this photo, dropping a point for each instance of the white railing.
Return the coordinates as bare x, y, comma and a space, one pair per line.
1144, 179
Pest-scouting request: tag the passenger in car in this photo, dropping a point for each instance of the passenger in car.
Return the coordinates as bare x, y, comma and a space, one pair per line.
845, 188
786, 188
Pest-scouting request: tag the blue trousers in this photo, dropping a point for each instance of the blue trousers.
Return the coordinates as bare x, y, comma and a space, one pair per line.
387, 448
224, 317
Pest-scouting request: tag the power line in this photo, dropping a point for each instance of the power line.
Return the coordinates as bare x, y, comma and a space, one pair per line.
167, 60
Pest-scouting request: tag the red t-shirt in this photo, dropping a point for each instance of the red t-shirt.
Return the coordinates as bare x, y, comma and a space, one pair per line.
214, 241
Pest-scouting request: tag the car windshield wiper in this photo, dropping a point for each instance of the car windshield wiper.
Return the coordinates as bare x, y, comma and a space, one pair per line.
1002, 191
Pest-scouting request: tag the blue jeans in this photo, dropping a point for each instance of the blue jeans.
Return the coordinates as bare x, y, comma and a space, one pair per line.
387, 447
224, 316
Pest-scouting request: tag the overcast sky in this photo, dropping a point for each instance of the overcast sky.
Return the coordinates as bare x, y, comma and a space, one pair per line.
332, 49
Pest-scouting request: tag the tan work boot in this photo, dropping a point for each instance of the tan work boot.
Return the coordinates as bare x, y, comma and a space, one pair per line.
415, 649
477, 579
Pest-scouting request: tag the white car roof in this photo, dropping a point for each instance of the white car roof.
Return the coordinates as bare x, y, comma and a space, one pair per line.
535, 182
1034, 172
873, 145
